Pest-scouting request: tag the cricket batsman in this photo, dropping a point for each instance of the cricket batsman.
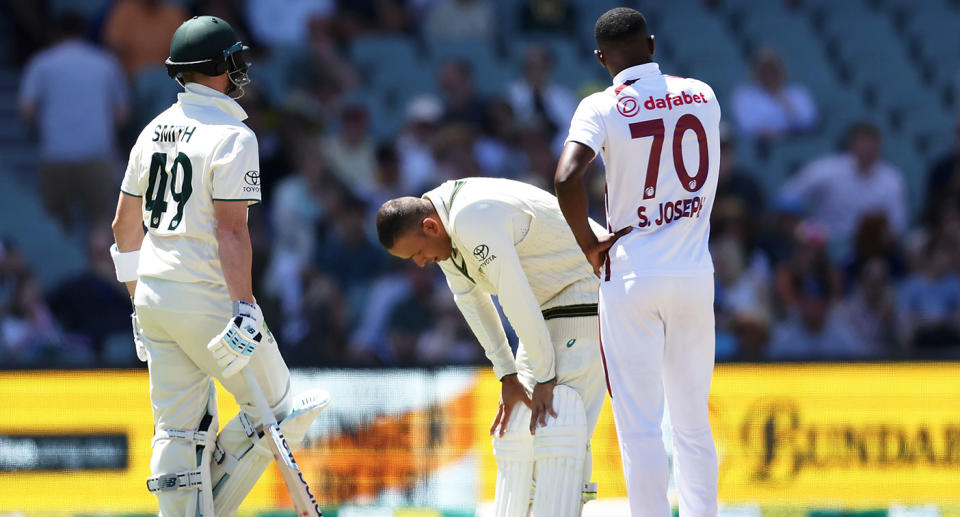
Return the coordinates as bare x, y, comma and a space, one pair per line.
509, 239
191, 176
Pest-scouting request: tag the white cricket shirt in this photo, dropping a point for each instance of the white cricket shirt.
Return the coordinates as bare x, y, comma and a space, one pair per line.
659, 138
511, 240
195, 152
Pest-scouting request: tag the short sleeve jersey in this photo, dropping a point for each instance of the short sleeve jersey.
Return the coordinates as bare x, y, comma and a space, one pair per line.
659, 138
196, 152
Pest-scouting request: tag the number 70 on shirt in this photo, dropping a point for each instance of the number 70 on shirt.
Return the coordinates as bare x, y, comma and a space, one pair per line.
655, 128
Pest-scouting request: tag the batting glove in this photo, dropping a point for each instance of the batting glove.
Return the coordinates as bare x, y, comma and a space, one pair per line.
233, 347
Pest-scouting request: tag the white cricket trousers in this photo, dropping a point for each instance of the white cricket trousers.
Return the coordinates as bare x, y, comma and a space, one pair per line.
657, 336
180, 370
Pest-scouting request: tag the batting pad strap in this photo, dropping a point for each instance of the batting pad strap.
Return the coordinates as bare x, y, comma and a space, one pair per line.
125, 263
186, 480
180, 434
248, 426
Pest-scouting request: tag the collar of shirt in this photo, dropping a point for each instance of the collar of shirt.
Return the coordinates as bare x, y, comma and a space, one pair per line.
200, 95
438, 196
636, 72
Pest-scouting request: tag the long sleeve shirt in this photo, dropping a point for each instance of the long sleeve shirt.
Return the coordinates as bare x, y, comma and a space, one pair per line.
510, 240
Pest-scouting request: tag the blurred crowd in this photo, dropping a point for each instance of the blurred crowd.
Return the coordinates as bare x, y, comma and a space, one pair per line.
835, 263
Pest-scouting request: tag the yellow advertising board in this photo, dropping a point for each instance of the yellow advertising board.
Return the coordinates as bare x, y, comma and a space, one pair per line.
803, 436
854, 435
82, 406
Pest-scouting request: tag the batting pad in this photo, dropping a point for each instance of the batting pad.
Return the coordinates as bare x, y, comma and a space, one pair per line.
514, 453
243, 458
560, 449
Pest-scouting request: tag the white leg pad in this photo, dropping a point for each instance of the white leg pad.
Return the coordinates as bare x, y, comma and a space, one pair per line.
241, 458
174, 445
306, 407
560, 450
514, 453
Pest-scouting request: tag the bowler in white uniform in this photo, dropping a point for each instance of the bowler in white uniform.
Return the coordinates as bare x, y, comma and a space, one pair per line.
659, 138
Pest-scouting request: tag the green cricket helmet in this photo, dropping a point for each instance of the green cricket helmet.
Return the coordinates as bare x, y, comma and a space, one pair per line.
208, 45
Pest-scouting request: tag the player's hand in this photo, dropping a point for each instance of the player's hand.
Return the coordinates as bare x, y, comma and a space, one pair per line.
541, 404
511, 392
233, 347
597, 253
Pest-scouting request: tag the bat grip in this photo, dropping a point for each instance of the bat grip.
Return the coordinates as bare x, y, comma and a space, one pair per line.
259, 400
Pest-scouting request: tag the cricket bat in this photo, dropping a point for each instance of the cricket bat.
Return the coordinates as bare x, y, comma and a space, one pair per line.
303, 500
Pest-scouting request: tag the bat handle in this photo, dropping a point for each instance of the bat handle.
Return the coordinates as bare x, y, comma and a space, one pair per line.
259, 400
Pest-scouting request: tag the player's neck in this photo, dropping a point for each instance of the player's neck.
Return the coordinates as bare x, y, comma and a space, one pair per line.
620, 67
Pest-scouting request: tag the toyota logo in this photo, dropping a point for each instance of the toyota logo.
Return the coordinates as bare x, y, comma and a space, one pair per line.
252, 178
481, 252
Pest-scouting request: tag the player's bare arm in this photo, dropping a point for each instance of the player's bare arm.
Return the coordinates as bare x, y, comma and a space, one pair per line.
128, 230
244, 332
236, 252
541, 404
511, 394
574, 202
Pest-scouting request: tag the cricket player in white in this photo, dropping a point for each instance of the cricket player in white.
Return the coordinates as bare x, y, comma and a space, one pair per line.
505, 238
660, 142
192, 174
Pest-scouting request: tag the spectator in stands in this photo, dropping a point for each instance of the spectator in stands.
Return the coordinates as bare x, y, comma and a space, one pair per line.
448, 340
326, 313
453, 150
411, 317
74, 94
813, 330
298, 209
460, 20
12, 268
139, 32
415, 143
375, 339
539, 160
874, 241
743, 277
870, 312
770, 107
552, 16
930, 300
387, 179
943, 180
346, 252
92, 303
733, 182
364, 16
29, 334
537, 99
495, 149
808, 259
284, 23
351, 151
320, 68
778, 232
461, 103
843, 188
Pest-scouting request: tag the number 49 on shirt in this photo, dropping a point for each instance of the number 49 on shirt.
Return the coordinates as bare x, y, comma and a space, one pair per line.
157, 187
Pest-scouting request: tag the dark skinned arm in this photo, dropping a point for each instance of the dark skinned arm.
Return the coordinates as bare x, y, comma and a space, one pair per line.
575, 204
